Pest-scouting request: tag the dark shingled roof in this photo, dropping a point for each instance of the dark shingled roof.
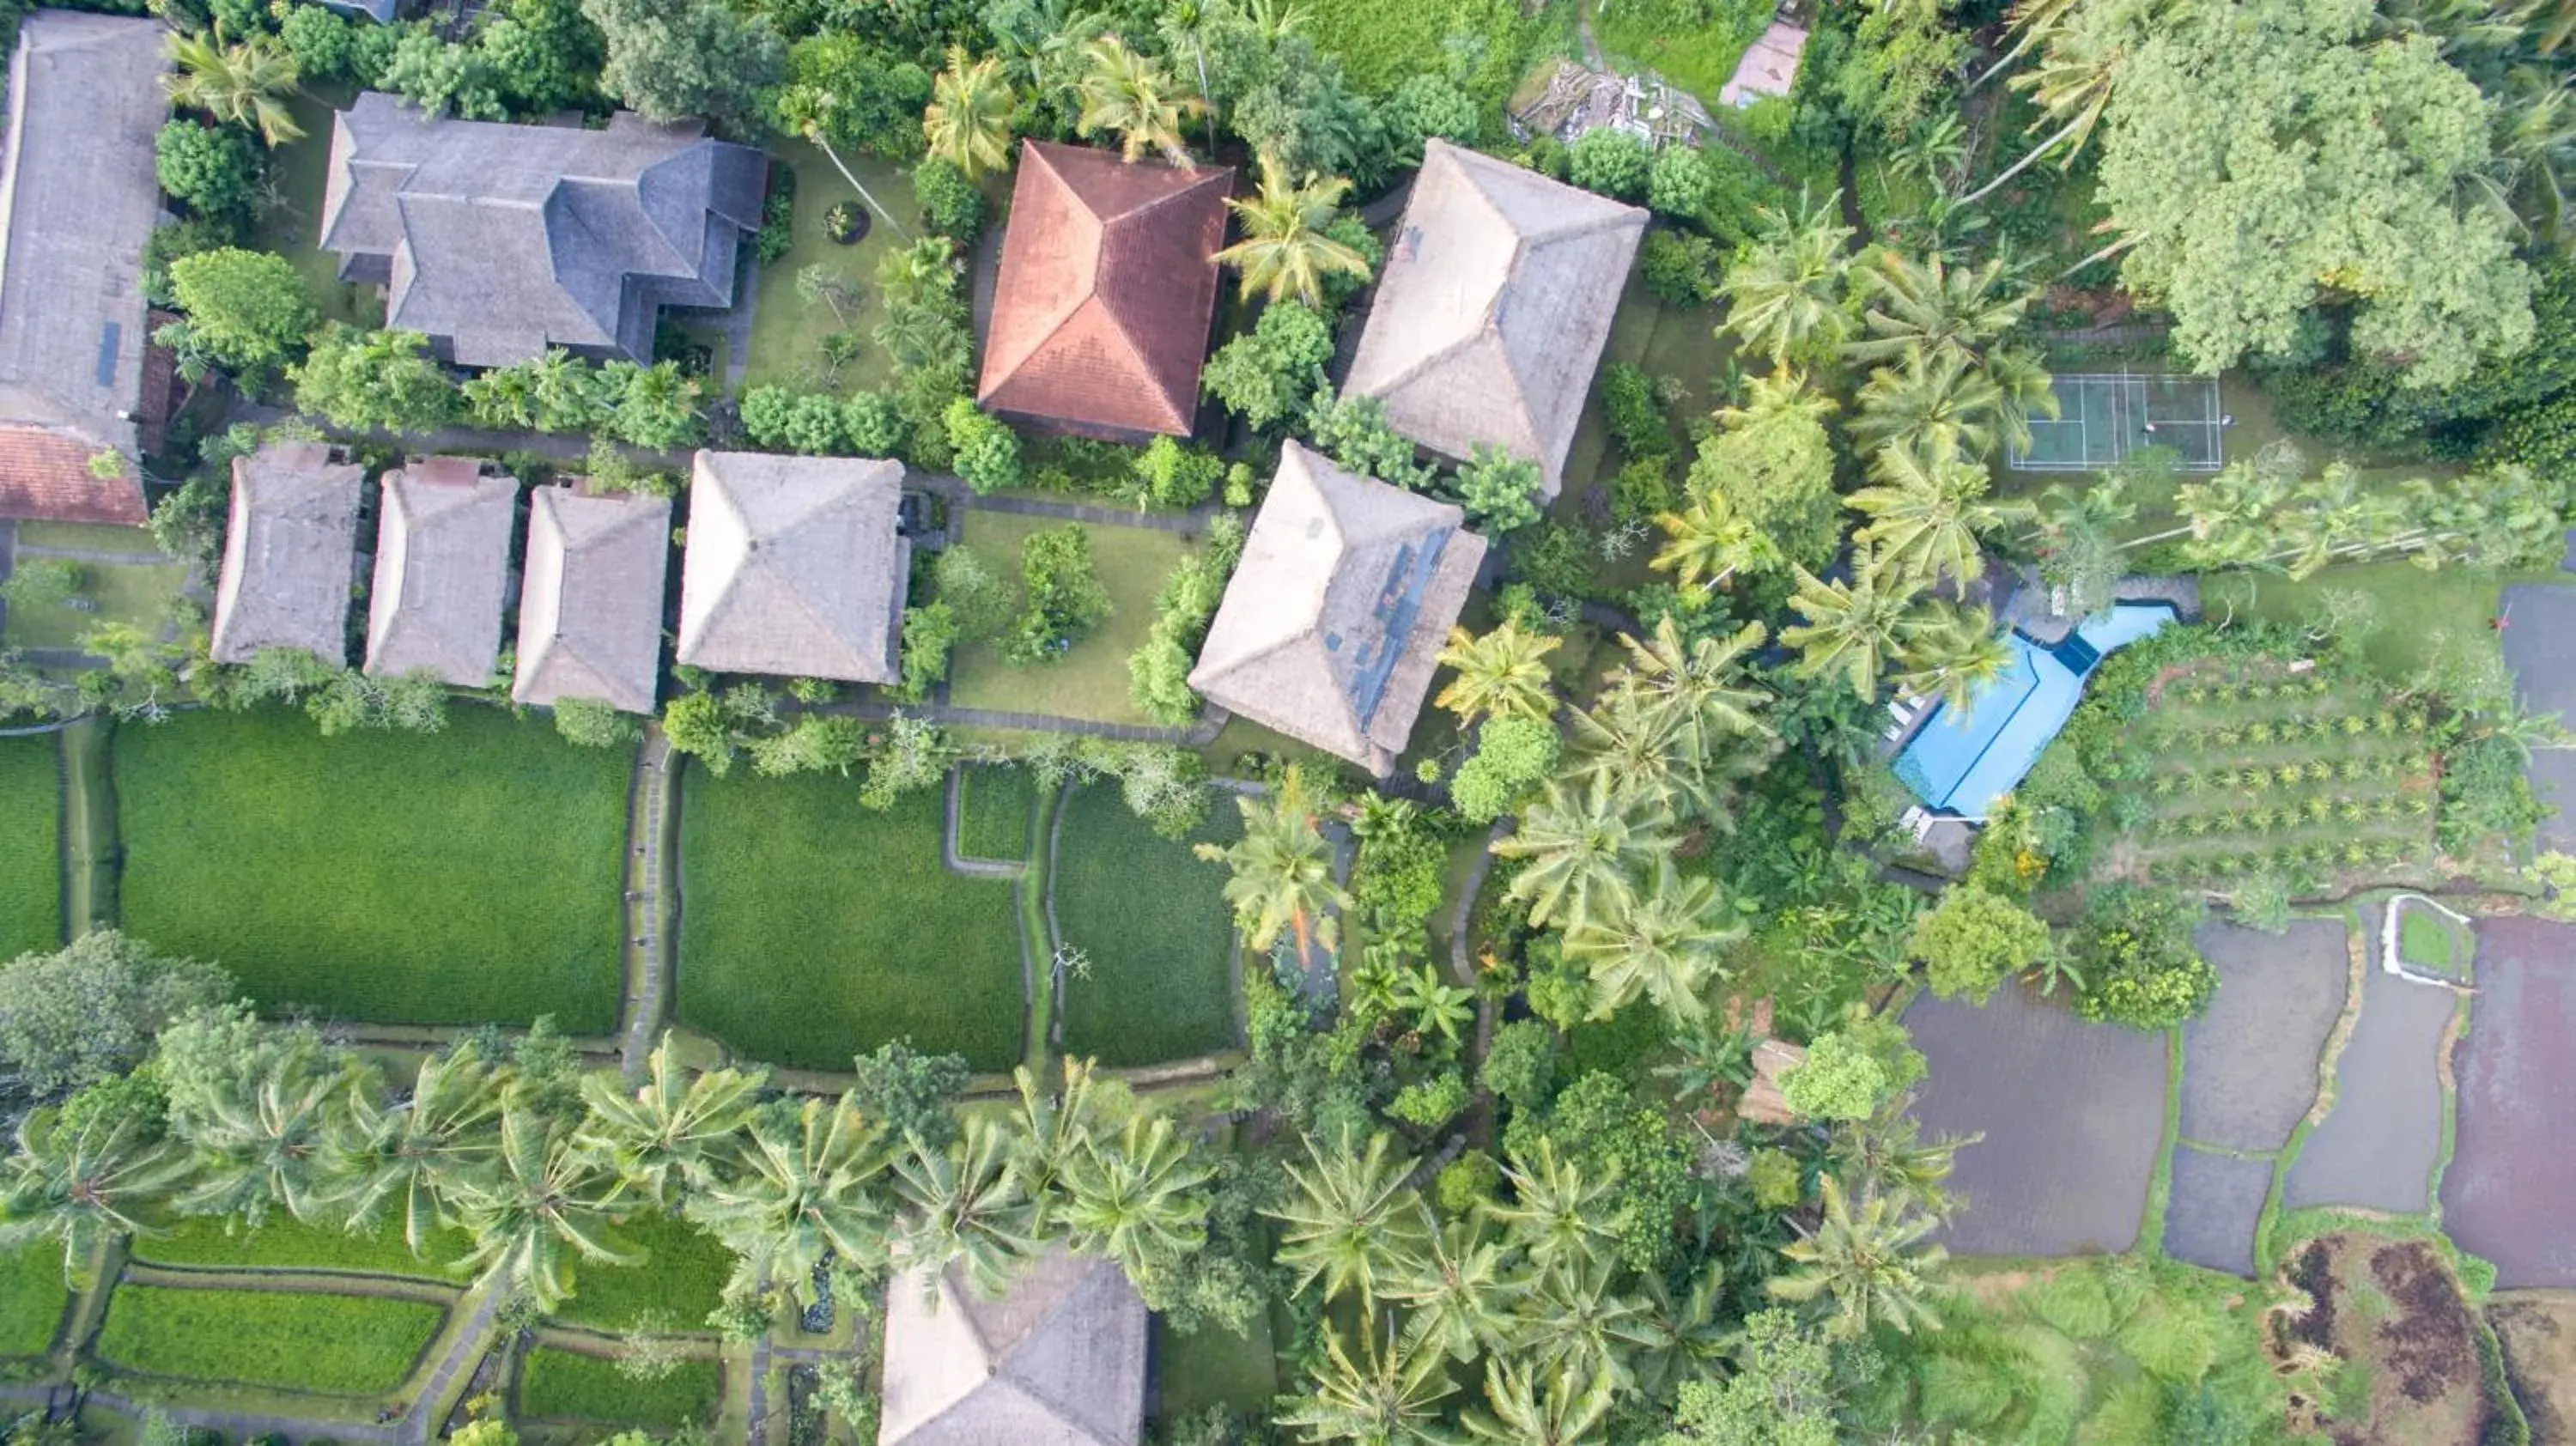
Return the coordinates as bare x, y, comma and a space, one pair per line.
1108, 284
45, 477
499, 241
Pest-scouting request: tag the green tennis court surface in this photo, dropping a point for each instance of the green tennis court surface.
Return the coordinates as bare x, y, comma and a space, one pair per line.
2102, 417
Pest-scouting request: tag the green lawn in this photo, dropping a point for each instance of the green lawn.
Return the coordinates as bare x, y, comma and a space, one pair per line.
2423, 939
994, 806
341, 1345
460, 877
1214, 1368
683, 1275
1090, 681
1152, 919
1700, 60
787, 333
31, 1299
139, 595
289, 1243
2420, 613
31, 873
294, 230
816, 930
568, 1384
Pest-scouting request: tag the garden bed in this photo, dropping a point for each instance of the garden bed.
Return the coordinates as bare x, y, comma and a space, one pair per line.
286, 1243
1151, 916
995, 806
2250, 1061
1090, 680
32, 1296
461, 877
2380, 1142
2508, 1191
570, 1385
814, 930
341, 1345
682, 1276
31, 873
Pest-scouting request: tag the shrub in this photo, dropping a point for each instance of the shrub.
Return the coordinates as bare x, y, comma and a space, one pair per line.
1465, 1183
1355, 433
1679, 268
1641, 490
813, 426
872, 424
950, 204
1974, 940
1512, 756
1178, 476
777, 234
1425, 106
1431, 1103
1498, 490
2134, 950
988, 451
2485, 795
213, 170
1520, 1064
1838, 1080
1613, 163
929, 636
1265, 375
1063, 595
978, 597
1635, 414
1679, 183
589, 724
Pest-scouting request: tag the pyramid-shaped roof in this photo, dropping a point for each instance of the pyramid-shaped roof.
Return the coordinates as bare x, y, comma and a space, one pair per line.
442, 571
289, 555
1058, 1360
794, 567
590, 609
1108, 284
1331, 627
1493, 308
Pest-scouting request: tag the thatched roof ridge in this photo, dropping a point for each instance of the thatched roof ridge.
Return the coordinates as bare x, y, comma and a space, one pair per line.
1059, 1360
442, 570
590, 606
1332, 624
794, 567
1495, 302
290, 555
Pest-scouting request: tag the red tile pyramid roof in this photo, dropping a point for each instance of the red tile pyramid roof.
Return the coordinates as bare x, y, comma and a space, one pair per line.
1108, 283
45, 477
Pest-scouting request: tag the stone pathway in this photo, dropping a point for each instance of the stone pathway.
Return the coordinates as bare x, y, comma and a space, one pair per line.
96, 556
648, 947
430, 1406
949, 853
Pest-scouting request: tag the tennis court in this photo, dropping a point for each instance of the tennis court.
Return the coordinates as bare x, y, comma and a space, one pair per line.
2102, 417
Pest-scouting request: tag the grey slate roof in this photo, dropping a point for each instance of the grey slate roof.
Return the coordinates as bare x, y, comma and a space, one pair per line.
290, 555
78, 198
794, 567
1496, 299
498, 241
442, 571
1332, 624
1059, 1360
590, 607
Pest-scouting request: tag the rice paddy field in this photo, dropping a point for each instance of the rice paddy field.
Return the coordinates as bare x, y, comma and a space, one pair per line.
285, 1243
1151, 918
342, 1345
797, 961
568, 1384
31, 880
682, 1275
466, 876
32, 1296
995, 806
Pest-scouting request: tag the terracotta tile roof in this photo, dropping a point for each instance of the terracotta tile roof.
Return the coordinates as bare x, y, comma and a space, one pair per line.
45, 477
1108, 283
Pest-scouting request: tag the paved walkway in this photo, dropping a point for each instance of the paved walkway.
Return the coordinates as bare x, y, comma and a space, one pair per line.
95, 556
649, 874
430, 1407
949, 853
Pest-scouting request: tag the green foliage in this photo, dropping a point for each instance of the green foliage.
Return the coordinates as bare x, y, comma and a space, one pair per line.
1612, 162
1838, 1080
2073, 1303
1602, 1127
1520, 1065
910, 1092
1063, 598
172, 240
363, 380
1680, 183
949, 202
1498, 490
1266, 375
1397, 879
682, 1275
929, 636
32, 1298
31, 884
1780, 1392
993, 808
1974, 940
1425, 106
671, 61
337, 1344
1634, 412
1462, 1185
1355, 433
988, 451
1776, 1179
1177, 476
245, 308
223, 1242
2140, 968
2485, 795
1513, 756
71, 1018
980, 598
1430, 1103
1776, 471
212, 170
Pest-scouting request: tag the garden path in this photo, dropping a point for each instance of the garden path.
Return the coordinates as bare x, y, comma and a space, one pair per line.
949, 853
1192, 521
430, 1406
648, 883
96, 556
1199, 735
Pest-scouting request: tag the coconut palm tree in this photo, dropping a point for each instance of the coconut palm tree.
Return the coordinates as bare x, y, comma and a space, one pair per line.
78, 1187
1886, 1154
265, 1138
1500, 675
1853, 629
2033, 22
1868, 1265
1283, 871
1458, 1292
1560, 1213
964, 1206
1573, 1321
549, 1202
1583, 843
1785, 396
1928, 516
1053, 1131
2077, 552
1636, 753
1136, 97
1697, 684
1663, 943
1709, 539
1929, 305
246, 83
1957, 651
1138, 1199
659, 1136
806, 1190
2080, 64
418, 1154
1678, 1334
1285, 252
968, 122
1786, 298
1931, 403
1533, 1407
1389, 1396
1352, 1222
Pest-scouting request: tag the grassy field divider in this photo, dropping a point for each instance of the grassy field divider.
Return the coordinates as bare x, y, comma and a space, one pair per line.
90, 851
2357, 949
1038, 937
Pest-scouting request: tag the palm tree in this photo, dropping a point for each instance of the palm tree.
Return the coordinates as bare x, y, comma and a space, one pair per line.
1559, 1214
968, 122
804, 1192
549, 1202
1931, 306
2035, 21
1677, 1335
1390, 1396
1662, 943
1928, 515
1458, 1294
1787, 296
2080, 66
245, 84
1931, 403
1582, 844
1500, 675
1697, 684
422, 1153
1052, 1132
1536, 1408
1139, 1200
81, 1186
1887, 1155
1957, 651
1709, 539
1869, 1265
1283, 871
1135, 96
965, 1206
1285, 252
1853, 629
660, 1135
1572, 1321
2077, 552
265, 1138
1775, 398
1352, 1223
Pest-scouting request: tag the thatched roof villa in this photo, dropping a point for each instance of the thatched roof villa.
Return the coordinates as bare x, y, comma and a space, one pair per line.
794, 567
291, 554
442, 570
1059, 1360
590, 605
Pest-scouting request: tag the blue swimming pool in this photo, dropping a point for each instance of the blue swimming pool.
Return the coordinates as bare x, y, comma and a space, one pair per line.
1962, 760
